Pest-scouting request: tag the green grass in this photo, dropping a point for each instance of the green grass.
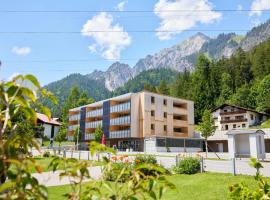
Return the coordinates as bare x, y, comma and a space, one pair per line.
206, 186
47, 143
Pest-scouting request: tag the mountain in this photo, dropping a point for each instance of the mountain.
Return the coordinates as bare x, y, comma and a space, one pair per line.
100, 84
175, 57
95, 88
116, 75
151, 77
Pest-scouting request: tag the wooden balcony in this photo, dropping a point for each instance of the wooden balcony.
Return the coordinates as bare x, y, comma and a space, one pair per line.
180, 123
73, 122
74, 112
233, 121
233, 112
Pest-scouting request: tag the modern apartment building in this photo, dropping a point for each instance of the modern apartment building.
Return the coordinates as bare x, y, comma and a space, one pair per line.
130, 119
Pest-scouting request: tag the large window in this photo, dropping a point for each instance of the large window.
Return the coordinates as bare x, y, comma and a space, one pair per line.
153, 127
152, 113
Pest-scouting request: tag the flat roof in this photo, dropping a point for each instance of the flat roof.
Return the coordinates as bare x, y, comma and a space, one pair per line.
245, 131
123, 97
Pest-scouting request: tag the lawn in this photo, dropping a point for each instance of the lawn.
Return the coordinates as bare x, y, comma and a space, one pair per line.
47, 143
208, 186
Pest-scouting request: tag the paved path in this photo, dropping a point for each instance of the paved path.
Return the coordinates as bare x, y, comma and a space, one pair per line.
53, 178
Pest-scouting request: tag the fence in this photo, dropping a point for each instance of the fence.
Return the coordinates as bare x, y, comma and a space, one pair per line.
168, 160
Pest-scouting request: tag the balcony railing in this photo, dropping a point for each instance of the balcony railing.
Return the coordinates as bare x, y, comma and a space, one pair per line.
225, 121
233, 112
72, 127
93, 124
120, 120
94, 113
120, 134
74, 117
120, 107
89, 136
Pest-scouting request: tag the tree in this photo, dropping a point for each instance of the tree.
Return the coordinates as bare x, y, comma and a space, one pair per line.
263, 94
17, 99
207, 127
98, 134
226, 88
76, 136
163, 88
61, 136
149, 88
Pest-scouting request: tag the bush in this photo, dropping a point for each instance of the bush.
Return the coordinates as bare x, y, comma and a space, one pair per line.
112, 173
145, 159
46, 154
147, 164
188, 165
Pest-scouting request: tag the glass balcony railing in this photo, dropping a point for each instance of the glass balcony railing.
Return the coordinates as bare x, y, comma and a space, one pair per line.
120, 107
74, 117
94, 113
120, 134
89, 136
94, 124
120, 120
72, 127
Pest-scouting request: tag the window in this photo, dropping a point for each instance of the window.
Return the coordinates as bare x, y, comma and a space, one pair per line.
227, 118
177, 130
152, 126
226, 127
239, 117
165, 102
165, 127
152, 99
224, 110
243, 125
251, 117
165, 115
234, 126
152, 113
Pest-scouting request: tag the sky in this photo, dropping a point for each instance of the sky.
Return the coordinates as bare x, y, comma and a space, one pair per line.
52, 39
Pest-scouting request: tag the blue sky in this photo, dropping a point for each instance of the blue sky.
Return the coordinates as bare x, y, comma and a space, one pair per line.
53, 56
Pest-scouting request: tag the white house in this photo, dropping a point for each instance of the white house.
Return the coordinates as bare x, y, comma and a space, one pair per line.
51, 126
228, 118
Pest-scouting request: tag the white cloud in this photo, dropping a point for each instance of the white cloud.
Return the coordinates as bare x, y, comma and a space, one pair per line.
121, 5
239, 7
23, 51
110, 39
183, 20
258, 5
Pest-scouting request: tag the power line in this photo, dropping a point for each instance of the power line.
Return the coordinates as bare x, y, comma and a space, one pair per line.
130, 31
133, 11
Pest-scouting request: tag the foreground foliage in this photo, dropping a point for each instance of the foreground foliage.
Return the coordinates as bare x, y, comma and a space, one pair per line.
187, 165
241, 191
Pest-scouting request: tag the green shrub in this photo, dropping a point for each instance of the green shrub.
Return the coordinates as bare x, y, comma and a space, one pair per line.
147, 164
145, 159
111, 173
46, 154
188, 165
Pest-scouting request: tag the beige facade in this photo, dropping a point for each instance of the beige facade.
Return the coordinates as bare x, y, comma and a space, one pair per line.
135, 116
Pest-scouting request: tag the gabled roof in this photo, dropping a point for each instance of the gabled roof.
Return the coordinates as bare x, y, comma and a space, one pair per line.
46, 120
239, 107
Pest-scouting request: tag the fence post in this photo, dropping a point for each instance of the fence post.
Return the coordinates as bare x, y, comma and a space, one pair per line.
79, 155
233, 167
202, 164
88, 155
176, 160
71, 153
64, 153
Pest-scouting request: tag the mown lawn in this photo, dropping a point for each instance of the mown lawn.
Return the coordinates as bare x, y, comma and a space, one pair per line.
206, 186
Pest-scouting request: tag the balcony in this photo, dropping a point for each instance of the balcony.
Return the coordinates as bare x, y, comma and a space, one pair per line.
233, 112
94, 113
120, 134
120, 121
120, 107
177, 122
89, 136
226, 121
72, 127
74, 117
177, 110
94, 124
